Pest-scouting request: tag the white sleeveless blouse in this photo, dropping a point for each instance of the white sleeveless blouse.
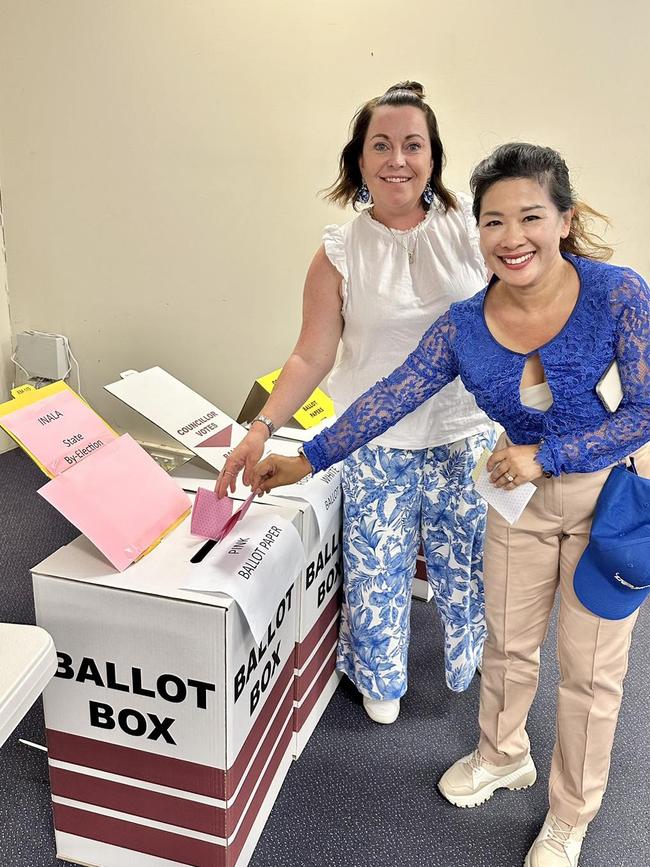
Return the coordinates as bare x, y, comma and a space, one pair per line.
387, 305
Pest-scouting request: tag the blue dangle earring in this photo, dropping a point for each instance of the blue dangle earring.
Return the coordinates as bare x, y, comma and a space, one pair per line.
427, 195
363, 194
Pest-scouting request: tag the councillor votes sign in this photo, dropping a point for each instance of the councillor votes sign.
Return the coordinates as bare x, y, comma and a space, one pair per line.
190, 419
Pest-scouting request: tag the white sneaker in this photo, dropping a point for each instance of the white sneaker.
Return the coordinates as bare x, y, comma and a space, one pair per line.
557, 844
383, 711
472, 780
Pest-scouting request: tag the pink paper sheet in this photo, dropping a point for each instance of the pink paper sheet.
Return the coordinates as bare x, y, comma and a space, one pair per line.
121, 500
213, 518
60, 430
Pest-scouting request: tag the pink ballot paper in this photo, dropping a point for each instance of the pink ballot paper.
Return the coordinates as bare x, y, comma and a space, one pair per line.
212, 519
121, 500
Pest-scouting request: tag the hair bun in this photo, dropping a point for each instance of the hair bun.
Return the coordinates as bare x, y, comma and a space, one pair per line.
413, 86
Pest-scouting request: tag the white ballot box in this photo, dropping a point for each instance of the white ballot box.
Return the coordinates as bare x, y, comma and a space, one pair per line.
204, 429
169, 726
318, 599
317, 619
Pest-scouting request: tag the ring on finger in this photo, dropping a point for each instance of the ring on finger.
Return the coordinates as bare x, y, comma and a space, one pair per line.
509, 477
226, 473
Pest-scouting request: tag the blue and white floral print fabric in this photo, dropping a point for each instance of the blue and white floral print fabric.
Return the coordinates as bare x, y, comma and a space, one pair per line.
393, 500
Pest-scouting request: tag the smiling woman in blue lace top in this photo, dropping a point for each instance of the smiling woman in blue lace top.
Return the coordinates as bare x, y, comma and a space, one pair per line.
532, 347
611, 318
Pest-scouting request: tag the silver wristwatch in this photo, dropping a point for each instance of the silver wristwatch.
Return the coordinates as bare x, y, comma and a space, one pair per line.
267, 421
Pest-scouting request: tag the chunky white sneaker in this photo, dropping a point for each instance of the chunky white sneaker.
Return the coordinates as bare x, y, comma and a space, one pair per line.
383, 711
557, 844
472, 780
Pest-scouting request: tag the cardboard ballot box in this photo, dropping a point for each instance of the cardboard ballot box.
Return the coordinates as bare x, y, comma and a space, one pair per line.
317, 619
169, 726
181, 412
319, 590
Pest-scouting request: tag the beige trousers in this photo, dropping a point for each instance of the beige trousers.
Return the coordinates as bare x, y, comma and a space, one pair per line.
524, 566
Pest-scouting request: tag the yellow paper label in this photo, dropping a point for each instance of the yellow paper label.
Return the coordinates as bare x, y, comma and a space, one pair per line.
319, 406
22, 389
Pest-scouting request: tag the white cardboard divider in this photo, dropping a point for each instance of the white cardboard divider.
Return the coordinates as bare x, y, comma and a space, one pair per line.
169, 725
193, 421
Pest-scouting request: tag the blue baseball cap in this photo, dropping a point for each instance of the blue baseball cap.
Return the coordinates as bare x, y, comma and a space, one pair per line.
612, 577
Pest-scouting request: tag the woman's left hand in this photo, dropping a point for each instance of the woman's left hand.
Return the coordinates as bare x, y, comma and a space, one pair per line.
513, 466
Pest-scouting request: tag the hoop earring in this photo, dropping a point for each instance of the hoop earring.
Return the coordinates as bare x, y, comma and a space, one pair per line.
363, 194
427, 195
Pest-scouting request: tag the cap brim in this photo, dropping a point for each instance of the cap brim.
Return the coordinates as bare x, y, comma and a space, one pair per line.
599, 594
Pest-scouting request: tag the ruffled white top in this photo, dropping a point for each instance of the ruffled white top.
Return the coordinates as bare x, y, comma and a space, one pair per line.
388, 303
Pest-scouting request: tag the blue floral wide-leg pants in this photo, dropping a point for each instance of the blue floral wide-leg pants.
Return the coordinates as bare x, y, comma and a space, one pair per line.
393, 500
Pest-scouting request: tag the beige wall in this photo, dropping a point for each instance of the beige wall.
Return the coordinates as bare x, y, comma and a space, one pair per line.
160, 158
6, 367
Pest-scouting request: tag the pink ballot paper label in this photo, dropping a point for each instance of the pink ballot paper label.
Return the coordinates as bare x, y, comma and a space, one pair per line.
59, 430
214, 519
121, 500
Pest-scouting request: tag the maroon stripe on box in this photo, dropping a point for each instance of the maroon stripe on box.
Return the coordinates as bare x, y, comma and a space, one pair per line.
165, 844
138, 838
301, 713
161, 807
182, 812
165, 770
245, 754
304, 680
305, 648
129, 762
235, 811
421, 569
260, 794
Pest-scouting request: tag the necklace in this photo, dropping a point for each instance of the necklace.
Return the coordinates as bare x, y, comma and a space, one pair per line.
413, 234
409, 247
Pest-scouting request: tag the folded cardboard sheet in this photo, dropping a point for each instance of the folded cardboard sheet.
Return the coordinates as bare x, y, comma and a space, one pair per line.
192, 420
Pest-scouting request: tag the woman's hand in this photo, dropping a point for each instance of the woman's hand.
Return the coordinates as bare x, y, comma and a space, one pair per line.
277, 470
513, 466
244, 456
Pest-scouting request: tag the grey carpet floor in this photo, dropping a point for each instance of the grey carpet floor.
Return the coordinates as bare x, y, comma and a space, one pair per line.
361, 795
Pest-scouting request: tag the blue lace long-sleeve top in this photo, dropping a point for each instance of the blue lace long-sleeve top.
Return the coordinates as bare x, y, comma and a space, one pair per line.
611, 319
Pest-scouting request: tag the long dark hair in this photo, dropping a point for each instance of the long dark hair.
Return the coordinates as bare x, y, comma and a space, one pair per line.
345, 188
546, 166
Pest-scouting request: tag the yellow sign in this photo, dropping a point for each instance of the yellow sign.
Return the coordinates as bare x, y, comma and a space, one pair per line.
319, 406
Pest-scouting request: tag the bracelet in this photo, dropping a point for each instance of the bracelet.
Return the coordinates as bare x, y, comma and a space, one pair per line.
301, 452
266, 421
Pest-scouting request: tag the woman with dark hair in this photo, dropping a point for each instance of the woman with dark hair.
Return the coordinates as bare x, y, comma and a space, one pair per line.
532, 348
372, 289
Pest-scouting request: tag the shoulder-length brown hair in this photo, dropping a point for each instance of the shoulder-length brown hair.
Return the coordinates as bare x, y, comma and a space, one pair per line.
345, 188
